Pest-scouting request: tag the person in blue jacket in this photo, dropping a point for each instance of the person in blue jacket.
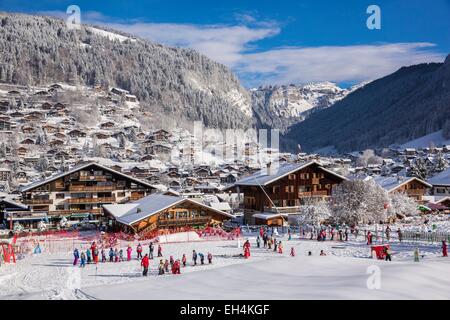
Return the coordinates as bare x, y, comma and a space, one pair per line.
111, 255
76, 256
202, 258
83, 260
88, 255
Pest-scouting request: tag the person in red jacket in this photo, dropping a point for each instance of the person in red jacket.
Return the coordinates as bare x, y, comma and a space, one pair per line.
139, 251
129, 253
292, 252
145, 262
176, 267
94, 251
183, 260
444, 249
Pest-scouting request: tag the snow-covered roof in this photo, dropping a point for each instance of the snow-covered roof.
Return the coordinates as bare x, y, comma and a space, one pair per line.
148, 206
267, 216
78, 168
263, 178
393, 183
441, 179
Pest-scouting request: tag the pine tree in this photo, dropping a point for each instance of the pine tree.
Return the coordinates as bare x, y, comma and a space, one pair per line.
440, 163
419, 169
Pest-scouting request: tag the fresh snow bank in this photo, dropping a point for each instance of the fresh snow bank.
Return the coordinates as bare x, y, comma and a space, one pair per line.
434, 138
179, 237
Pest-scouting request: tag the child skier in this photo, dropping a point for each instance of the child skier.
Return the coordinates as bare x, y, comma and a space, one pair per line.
444, 249
103, 256
150, 250
183, 260
275, 245
76, 256
416, 255
292, 252
209, 257
111, 255
159, 251
280, 248
194, 257
145, 263
172, 261
176, 267
116, 255
202, 258
387, 254
321, 253
258, 242
139, 251
83, 260
88, 256
161, 267
94, 251
129, 253
121, 255
166, 266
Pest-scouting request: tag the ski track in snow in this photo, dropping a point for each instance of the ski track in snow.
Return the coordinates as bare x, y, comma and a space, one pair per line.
52, 276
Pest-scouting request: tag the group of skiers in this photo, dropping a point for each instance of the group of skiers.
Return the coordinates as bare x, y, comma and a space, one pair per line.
116, 255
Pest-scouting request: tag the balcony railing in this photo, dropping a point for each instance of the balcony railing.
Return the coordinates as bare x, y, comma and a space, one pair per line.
312, 194
73, 211
91, 188
183, 222
136, 197
38, 201
92, 178
91, 200
293, 209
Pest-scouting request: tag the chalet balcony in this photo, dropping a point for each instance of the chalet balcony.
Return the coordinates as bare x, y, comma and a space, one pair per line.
313, 194
136, 197
93, 178
38, 201
92, 200
91, 188
294, 209
73, 211
168, 223
415, 192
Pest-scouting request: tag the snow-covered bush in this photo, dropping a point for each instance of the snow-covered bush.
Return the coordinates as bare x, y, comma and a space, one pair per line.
402, 205
313, 212
359, 201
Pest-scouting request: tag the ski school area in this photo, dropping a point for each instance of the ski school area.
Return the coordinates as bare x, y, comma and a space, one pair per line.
247, 263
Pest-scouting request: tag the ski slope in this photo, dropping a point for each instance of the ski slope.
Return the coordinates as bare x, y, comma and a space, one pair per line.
342, 274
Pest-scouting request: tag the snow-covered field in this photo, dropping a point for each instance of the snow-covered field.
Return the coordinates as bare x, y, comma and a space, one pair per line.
342, 274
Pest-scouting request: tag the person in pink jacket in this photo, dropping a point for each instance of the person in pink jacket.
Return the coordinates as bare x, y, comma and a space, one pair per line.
129, 253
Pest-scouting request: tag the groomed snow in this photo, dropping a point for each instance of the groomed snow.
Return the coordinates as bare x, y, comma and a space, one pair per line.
342, 274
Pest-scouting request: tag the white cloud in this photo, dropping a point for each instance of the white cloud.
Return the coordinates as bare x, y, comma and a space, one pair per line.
236, 47
225, 44
333, 63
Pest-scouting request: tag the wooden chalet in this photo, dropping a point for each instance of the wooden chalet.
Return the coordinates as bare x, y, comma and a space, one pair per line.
282, 190
414, 187
159, 212
83, 190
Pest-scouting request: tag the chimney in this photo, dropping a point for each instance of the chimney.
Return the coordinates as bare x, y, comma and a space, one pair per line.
269, 168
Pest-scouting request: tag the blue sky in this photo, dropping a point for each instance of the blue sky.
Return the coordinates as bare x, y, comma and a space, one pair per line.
280, 42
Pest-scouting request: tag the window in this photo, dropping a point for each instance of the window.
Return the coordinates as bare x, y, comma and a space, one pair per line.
60, 196
275, 189
291, 189
120, 194
440, 190
291, 177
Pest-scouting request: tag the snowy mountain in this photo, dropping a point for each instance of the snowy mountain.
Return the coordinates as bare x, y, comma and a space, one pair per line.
407, 104
282, 106
179, 82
